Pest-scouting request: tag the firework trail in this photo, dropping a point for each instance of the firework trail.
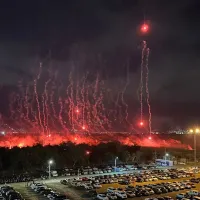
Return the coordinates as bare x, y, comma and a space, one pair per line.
119, 108
60, 102
53, 108
71, 101
11, 105
147, 88
83, 102
77, 101
95, 98
141, 79
37, 99
26, 104
123, 91
46, 107
88, 106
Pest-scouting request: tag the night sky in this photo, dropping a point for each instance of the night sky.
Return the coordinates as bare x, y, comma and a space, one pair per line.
101, 36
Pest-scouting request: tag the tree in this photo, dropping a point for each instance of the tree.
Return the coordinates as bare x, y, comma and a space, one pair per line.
125, 156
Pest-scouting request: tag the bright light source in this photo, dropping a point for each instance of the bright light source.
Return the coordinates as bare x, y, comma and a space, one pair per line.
20, 145
75, 139
141, 123
150, 138
191, 131
87, 152
166, 154
83, 127
144, 28
3, 132
197, 130
50, 162
77, 110
116, 158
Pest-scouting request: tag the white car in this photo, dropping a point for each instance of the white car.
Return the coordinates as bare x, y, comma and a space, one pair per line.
35, 185
96, 185
151, 192
111, 195
130, 194
121, 195
154, 179
102, 197
111, 190
187, 186
88, 187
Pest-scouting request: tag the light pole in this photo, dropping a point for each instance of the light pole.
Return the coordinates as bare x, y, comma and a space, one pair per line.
195, 145
50, 163
166, 155
116, 158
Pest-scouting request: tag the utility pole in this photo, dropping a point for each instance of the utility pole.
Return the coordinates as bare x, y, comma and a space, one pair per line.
155, 155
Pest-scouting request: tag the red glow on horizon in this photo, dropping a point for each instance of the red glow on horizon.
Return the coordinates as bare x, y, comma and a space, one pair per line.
22, 140
144, 28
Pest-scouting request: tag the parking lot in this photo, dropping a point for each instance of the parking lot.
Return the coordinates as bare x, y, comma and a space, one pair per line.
141, 185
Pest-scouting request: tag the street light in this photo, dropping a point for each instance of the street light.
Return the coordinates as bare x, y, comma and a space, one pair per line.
166, 155
116, 158
50, 163
195, 131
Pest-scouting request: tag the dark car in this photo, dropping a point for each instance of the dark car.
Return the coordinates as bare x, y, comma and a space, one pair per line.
164, 190
124, 182
15, 196
160, 198
5, 189
138, 194
157, 191
46, 192
169, 188
92, 193
194, 180
58, 197
64, 182
145, 193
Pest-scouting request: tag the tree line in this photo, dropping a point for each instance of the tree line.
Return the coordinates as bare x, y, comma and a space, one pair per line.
69, 155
